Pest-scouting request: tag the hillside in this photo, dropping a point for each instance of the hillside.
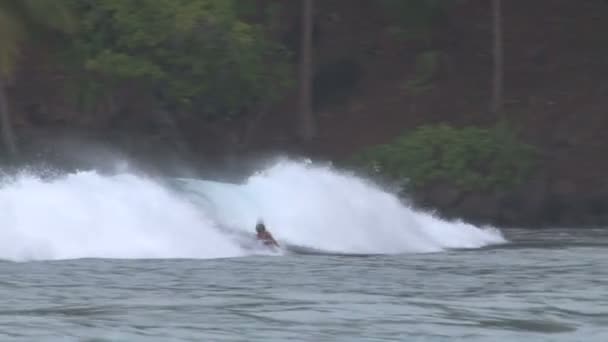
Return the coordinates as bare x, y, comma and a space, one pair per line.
556, 64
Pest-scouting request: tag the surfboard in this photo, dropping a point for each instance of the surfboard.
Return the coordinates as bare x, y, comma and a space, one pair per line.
303, 250
250, 242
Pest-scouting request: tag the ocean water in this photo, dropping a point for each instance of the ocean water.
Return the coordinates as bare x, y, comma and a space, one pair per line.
88, 257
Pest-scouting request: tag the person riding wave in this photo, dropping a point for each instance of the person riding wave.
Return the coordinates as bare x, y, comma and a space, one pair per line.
264, 235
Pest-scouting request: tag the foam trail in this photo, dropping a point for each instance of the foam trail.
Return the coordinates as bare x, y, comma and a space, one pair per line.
87, 215
318, 207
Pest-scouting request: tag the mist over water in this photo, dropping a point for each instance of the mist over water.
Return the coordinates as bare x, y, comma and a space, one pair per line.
88, 215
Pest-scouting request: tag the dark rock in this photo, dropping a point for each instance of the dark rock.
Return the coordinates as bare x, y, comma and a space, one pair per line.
523, 204
482, 208
441, 195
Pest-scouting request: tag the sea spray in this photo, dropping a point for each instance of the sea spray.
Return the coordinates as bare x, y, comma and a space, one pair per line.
89, 215
84, 214
316, 206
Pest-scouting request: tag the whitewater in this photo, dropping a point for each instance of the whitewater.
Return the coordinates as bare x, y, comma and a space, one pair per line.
129, 215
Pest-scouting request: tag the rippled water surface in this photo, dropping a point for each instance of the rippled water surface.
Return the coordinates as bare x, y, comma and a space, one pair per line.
543, 286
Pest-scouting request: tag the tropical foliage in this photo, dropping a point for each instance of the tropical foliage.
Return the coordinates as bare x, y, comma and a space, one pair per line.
190, 53
471, 158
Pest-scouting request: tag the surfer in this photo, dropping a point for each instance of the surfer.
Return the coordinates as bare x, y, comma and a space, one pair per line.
264, 235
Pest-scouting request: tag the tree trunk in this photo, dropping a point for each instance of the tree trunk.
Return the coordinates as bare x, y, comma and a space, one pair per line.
497, 82
307, 129
8, 136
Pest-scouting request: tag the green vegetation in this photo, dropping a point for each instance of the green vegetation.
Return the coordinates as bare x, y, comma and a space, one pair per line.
211, 58
189, 53
471, 158
201, 58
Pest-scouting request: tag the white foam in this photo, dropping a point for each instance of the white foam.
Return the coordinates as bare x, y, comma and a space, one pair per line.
88, 215
316, 206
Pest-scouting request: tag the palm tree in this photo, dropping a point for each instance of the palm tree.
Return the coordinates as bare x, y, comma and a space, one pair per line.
18, 20
497, 87
307, 123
